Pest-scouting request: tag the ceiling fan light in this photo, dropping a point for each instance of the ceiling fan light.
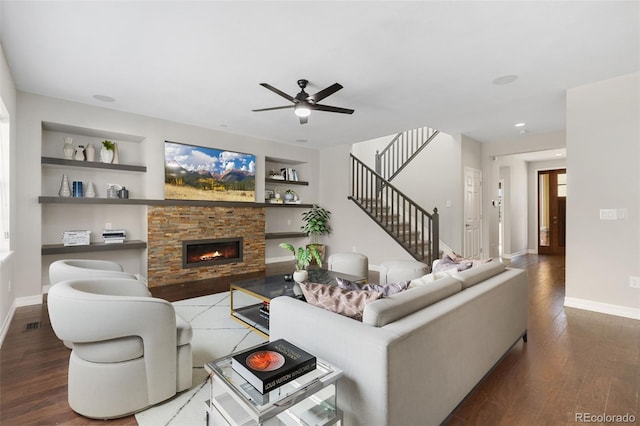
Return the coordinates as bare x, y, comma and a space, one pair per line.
302, 110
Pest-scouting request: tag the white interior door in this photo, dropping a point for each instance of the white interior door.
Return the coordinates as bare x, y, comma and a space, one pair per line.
472, 213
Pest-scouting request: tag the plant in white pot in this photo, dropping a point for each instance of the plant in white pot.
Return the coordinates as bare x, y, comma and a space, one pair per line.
303, 257
107, 151
316, 223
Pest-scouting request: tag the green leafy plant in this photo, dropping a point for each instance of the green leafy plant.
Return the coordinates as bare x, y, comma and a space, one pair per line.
316, 222
109, 145
303, 255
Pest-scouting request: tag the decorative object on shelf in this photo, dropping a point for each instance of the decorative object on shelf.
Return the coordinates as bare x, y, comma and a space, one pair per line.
303, 257
107, 151
65, 190
116, 158
275, 175
112, 191
316, 224
80, 153
276, 194
90, 192
90, 152
290, 195
68, 148
123, 193
76, 238
77, 189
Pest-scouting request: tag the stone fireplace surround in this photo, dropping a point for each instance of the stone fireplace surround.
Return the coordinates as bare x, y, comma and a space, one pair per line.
168, 226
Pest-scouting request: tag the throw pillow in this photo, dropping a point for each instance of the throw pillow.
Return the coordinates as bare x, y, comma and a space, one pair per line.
447, 263
349, 303
385, 289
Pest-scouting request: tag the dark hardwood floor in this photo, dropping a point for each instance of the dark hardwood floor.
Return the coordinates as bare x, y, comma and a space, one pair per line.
574, 362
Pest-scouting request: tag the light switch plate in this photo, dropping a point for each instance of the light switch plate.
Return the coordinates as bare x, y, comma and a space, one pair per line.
608, 214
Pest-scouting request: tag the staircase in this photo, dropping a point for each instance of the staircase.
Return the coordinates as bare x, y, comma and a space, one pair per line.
416, 230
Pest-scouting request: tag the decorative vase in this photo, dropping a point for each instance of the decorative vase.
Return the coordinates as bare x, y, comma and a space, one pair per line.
90, 192
68, 148
65, 190
116, 159
90, 152
300, 276
106, 155
288, 196
80, 153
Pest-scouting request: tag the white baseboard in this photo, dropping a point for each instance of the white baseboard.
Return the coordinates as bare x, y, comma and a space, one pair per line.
518, 253
603, 308
7, 322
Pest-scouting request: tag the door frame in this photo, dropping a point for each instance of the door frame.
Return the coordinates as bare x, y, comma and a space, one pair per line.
552, 248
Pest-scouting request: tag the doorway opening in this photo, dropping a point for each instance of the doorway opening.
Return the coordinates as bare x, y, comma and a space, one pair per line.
552, 209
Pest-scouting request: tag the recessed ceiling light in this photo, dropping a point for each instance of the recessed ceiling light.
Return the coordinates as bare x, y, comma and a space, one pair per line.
104, 98
520, 124
505, 79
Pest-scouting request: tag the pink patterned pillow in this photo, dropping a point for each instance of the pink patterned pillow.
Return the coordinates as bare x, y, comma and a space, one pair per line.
349, 303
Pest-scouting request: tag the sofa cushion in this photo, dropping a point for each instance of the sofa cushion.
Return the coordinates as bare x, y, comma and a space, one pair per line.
385, 289
428, 279
387, 310
473, 276
350, 303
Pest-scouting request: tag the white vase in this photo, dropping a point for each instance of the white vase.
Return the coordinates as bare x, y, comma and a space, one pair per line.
90, 152
68, 148
90, 192
80, 153
106, 155
65, 190
300, 276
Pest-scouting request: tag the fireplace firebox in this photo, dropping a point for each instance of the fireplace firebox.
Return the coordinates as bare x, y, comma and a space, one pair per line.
199, 253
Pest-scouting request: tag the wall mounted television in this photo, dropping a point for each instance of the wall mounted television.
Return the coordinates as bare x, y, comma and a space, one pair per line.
199, 173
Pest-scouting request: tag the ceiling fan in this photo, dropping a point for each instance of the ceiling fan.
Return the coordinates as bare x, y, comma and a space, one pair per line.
303, 103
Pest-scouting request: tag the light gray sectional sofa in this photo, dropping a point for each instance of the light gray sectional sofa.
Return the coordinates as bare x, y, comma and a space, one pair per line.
416, 354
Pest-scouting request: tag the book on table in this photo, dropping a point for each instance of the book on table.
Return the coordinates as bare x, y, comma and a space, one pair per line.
273, 364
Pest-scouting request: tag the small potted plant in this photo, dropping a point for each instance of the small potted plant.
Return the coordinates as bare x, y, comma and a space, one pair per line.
107, 151
290, 195
303, 257
316, 224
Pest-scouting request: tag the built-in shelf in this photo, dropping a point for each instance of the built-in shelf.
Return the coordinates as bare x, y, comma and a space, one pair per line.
151, 202
281, 235
287, 182
92, 164
62, 249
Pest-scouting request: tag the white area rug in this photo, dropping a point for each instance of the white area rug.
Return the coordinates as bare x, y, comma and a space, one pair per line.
215, 335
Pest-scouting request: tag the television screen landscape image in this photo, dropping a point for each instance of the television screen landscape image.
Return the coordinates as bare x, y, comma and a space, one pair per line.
199, 173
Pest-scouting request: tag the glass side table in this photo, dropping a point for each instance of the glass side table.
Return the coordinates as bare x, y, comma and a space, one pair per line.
308, 400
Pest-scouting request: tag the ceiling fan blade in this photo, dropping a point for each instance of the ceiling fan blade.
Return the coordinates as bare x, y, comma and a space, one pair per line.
277, 91
325, 92
272, 108
304, 120
331, 109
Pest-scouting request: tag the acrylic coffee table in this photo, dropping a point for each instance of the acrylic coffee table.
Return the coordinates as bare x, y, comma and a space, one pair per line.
310, 399
248, 296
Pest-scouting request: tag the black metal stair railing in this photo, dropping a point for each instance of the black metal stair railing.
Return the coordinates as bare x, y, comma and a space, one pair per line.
403, 148
415, 229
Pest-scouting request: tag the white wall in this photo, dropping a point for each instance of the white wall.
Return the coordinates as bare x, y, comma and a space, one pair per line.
514, 173
33, 110
7, 289
603, 172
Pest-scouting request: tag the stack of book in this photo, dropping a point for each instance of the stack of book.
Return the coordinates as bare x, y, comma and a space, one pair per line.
264, 310
289, 173
111, 236
76, 238
274, 364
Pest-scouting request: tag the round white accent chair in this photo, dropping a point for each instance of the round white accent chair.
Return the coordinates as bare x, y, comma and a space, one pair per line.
393, 271
130, 351
349, 263
74, 269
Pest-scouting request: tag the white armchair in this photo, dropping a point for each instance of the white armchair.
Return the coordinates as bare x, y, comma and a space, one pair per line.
74, 269
130, 350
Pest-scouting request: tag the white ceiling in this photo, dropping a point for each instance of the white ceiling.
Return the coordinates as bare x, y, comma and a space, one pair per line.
402, 64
